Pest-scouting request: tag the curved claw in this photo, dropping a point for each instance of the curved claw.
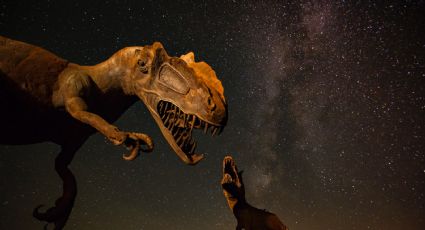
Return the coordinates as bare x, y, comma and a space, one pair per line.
133, 142
135, 147
147, 140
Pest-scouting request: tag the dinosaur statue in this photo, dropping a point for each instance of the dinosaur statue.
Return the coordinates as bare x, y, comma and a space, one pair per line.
46, 98
247, 216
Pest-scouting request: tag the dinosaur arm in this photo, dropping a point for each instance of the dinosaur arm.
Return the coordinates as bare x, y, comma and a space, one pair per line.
77, 108
75, 88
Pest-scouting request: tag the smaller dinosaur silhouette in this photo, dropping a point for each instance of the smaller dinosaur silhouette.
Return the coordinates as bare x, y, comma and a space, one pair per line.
248, 217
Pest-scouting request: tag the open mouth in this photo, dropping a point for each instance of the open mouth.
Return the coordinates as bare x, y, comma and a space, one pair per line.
181, 125
229, 167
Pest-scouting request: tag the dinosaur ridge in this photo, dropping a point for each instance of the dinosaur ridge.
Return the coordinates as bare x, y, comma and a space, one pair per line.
205, 73
31, 68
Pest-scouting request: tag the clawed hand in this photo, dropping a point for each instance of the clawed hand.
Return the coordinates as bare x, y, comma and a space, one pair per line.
133, 142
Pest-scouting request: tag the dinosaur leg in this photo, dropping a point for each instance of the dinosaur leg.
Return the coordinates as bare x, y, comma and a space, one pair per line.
60, 212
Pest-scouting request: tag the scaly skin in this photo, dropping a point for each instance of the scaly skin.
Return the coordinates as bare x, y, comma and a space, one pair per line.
46, 98
248, 217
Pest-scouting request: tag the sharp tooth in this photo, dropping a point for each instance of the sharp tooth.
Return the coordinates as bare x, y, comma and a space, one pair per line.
193, 121
168, 118
187, 141
166, 106
205, 128
183, 142
170, 125
184, 119
187, 119
181, 145
190, 129
193, 148
214, 131
163, 113
180, 137
174, 131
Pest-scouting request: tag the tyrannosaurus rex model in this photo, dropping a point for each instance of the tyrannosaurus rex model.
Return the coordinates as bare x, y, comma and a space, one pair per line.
248, 217
46, 98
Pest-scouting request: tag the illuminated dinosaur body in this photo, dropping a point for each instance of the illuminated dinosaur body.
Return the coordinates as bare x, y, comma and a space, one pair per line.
248, 217
46, 98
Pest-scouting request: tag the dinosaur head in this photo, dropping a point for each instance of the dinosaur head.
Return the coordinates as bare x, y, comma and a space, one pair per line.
182, 95
232, 184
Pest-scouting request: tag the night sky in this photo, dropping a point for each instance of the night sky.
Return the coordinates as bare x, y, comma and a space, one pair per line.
326, 115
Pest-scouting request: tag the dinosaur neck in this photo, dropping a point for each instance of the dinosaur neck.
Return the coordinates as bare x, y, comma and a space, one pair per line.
113, 74
236, 203
241, 209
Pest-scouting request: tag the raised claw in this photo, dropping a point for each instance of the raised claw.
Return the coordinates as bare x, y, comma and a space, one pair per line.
134, 142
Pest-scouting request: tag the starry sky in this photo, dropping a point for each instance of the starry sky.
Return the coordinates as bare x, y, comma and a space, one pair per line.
326, 115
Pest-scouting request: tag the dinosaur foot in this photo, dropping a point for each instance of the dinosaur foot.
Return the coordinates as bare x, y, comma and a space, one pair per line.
58, 215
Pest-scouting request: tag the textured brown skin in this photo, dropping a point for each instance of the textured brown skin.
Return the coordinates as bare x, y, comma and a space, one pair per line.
247, 216
46, 98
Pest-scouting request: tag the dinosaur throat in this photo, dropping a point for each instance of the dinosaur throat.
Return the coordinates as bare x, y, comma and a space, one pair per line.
181, 125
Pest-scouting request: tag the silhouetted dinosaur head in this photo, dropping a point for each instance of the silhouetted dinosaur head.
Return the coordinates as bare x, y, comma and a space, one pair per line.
232, 184
181, 95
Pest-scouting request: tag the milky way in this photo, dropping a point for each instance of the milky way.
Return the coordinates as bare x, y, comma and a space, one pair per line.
326, 115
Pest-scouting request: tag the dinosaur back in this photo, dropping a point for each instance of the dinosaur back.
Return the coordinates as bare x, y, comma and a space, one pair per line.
29, 69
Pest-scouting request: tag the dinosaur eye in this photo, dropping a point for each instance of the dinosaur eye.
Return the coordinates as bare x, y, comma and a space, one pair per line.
171, 78
142, 66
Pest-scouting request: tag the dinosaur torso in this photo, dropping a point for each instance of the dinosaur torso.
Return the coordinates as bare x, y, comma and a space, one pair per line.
28, 77
30, 85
